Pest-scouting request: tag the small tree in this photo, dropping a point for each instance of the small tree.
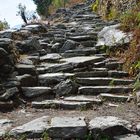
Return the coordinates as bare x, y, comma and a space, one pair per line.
22, 11
4, 25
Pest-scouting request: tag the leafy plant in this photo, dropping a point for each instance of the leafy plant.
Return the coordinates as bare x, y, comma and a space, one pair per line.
45, 136
3, 25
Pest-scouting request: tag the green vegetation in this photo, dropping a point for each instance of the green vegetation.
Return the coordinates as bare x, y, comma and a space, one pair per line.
4, 25
95, 5
43, 7
130, 22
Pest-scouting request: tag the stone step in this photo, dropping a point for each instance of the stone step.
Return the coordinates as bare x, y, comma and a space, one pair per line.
91, 74
26, 69
80, 52
68, 128
98, 81
53, 78
52, 57
68, 64
38, 93
83, 38
32, 129
103, 73
60, 104
114, 65
95, 90
83, 98
116, 98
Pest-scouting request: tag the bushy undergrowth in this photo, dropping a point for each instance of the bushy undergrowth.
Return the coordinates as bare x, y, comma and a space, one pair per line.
130, 22
3, 25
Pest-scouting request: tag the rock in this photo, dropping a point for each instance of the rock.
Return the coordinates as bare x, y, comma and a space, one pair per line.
53, 78
60, 104
127, 137
51, 57
6, 106
54, 68
33, 129
7, 34
82, 60
9, 93
29, 46
80, 52
56, 47
5, 124
138, 129
109, 126
35, 28
82, 98
25, 61
67, 128
117, 98
94, 90
112, 36
81, 38
92, 74
65, 88
27, 80
117, 74
138, 96
69, 45
26, 69
32, 92
98, 81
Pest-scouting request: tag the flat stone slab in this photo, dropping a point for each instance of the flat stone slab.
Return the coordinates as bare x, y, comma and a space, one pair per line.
118, 74
109, 125
60, 104
53, 78
93, 90
82, 60
51, 57
33, 129
5, 124
68, 127
97, 81
112, 97
54, 68
26, 69
127, 137
31, 92
92, 74
82, 98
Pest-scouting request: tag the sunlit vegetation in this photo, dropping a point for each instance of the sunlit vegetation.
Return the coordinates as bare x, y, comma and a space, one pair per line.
3, 25
45, 7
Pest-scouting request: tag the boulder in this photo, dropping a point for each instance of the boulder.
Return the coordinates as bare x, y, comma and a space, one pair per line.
33, 129
68, 128
109, 126
112, 36
5, 124
69, 45
30, 45
65, 88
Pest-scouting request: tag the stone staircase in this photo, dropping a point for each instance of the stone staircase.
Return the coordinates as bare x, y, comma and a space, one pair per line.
70, 73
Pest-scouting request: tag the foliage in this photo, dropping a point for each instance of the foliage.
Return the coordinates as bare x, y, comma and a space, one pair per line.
130, 20
43, 7
21, 12
45, 136
4, 25
95, 5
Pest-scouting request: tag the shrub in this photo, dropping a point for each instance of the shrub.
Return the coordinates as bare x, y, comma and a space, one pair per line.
3, 25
